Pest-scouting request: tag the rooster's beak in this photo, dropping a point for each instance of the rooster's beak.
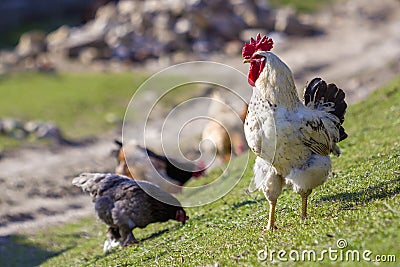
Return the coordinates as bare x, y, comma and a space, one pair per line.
246, 60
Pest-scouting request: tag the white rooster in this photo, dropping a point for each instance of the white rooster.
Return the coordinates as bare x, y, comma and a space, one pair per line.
291, 138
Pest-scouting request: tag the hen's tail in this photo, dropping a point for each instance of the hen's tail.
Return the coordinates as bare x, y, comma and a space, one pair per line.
98, 183
90, 182
318, 95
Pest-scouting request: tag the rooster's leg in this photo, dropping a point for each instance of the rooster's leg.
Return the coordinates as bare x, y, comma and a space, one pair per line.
272, 188
304, 197
271, 220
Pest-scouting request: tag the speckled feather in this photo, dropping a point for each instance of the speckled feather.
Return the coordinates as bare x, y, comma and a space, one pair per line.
123, 205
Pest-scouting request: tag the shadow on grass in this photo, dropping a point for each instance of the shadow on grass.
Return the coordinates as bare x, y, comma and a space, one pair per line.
154, 235
246, 202
18, 251
381, 190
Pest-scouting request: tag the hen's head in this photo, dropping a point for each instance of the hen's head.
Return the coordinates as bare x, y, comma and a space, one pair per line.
201, 168
180, 216
255, 54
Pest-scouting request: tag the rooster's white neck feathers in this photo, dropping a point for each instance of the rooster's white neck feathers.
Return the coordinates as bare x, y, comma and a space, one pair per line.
276, 83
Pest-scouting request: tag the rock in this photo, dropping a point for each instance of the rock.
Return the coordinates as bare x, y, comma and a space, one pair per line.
247, 10
121, 52
118, 35
83, 38
127, 7
233, 48
246, 34
287, 22
9, 125
182, 26
162, 31
41, 130
31, 44
72, 42
202, 46
13, 128
88, 54
56, 39
177, 7
9, 57
107, 13
228, 27
137, 30
48, 130
31, 126
45, 63
179, 57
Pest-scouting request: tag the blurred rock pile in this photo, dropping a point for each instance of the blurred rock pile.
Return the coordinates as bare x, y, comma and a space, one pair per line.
34, 130
137, 30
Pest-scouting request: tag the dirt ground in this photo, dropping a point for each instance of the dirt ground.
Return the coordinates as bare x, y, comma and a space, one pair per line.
359, 51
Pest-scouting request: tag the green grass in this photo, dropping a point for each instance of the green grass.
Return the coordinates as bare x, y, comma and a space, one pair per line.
359, 204
78, 103
302, 6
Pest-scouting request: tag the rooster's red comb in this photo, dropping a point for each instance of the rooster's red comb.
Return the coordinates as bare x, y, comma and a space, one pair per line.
263, 44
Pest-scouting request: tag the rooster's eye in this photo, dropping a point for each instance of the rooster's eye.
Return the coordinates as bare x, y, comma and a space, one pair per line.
258, 58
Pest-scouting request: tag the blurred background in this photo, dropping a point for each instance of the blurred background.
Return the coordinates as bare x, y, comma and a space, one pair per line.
49, 49
46, 34
69, 68
100, 35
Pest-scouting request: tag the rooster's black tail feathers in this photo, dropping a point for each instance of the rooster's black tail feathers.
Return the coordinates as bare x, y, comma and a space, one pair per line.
318, 92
